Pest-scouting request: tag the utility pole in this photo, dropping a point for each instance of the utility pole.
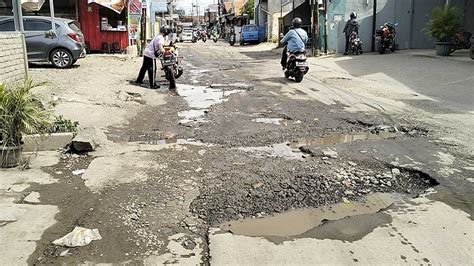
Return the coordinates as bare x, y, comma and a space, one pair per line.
293, 7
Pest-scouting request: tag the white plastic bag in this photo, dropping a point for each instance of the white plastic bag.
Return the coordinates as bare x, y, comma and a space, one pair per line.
79, 237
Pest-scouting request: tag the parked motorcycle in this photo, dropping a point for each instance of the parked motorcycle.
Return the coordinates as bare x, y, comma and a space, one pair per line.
462, 40
356, 44
296, 66
232, 36
385, 37
170, 64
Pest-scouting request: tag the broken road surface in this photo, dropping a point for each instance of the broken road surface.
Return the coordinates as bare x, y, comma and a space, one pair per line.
246, 167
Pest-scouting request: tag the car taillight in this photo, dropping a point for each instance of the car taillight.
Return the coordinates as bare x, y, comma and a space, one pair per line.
74, 37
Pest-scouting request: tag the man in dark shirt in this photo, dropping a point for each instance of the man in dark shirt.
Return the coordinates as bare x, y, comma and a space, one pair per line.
351, 26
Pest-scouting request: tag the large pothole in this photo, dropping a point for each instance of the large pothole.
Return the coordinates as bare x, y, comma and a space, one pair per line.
282, 185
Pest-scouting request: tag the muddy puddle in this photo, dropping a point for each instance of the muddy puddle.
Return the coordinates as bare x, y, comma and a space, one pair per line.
199, 99
354, 219
345, 138
172, 141
280, 150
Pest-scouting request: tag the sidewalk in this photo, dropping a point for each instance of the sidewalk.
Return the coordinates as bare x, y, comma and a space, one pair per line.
459, 55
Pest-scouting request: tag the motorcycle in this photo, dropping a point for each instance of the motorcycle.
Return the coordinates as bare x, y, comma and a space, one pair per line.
385, 37
170, 64
232, 38
215, 36
356, 44
296, 66
199, 35
462, 40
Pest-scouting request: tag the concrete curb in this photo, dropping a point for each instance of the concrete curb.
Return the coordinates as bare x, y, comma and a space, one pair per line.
49, 142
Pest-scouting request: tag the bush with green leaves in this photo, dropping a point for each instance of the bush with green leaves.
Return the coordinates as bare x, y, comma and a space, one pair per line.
444, 23
61, 125
21, 112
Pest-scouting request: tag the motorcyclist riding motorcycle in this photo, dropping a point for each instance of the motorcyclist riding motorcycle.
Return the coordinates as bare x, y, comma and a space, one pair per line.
351, 26
295, 39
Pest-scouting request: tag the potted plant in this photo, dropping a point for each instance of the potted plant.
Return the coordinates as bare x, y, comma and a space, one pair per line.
21, 112
443, 25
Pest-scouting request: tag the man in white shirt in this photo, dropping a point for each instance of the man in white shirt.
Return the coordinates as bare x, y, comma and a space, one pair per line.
151, 52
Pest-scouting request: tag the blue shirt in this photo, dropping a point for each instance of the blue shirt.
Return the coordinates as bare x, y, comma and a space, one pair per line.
295, 43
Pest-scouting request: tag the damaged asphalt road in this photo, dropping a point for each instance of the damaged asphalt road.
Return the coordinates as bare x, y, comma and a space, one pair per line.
192, 178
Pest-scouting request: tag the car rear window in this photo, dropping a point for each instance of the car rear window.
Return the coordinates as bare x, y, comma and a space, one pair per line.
250, 28
74, 26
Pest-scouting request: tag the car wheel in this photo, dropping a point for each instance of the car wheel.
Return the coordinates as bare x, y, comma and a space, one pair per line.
61, 58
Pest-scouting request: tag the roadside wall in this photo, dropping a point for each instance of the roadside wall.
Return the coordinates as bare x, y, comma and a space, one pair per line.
12, 60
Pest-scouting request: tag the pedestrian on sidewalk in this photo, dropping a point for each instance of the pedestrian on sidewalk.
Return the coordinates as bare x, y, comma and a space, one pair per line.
152, 51
351, 26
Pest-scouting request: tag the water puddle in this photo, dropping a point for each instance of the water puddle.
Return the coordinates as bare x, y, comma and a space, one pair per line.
311, 222
172, 141
275, 121
199, 99
344, 138
281, 150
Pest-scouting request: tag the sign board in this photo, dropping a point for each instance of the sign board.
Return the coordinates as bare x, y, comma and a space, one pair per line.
115, 5
158, 6
213, 8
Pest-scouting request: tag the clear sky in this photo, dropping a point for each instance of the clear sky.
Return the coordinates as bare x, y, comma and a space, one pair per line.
187, 4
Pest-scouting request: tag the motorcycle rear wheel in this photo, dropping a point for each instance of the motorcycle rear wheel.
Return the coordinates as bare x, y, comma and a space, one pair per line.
381, 49
299, 77
169, 75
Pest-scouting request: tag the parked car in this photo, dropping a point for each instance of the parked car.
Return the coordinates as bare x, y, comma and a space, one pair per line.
186, 35
249, 34
62, 49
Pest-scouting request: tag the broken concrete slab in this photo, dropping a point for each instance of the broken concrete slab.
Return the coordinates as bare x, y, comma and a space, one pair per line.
19, 237
49, 142
33, 197
123, 168
88, 139
330, 153
427, 226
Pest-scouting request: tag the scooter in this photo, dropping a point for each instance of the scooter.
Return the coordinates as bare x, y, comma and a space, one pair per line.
232, 36
296, 66
385, 37
170, 64
356, 44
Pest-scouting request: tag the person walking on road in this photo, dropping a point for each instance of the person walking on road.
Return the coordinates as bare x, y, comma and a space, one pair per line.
351, 26
153, 50
295, 39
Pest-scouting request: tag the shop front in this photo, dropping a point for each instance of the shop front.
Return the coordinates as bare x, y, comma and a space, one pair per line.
109, 26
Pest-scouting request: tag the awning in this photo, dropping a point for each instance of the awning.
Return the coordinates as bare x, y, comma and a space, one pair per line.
32, 5
115, 5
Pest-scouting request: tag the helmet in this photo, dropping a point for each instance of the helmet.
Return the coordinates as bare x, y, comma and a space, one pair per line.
297, 22
165, 30
353, 15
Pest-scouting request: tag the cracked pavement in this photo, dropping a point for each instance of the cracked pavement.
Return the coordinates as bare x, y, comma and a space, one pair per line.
356, 164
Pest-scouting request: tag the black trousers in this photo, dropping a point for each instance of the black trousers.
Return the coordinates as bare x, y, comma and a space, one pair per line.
149, 65
348, 45
284, 56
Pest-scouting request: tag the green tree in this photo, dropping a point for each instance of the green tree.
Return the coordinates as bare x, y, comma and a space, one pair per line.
248, 8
